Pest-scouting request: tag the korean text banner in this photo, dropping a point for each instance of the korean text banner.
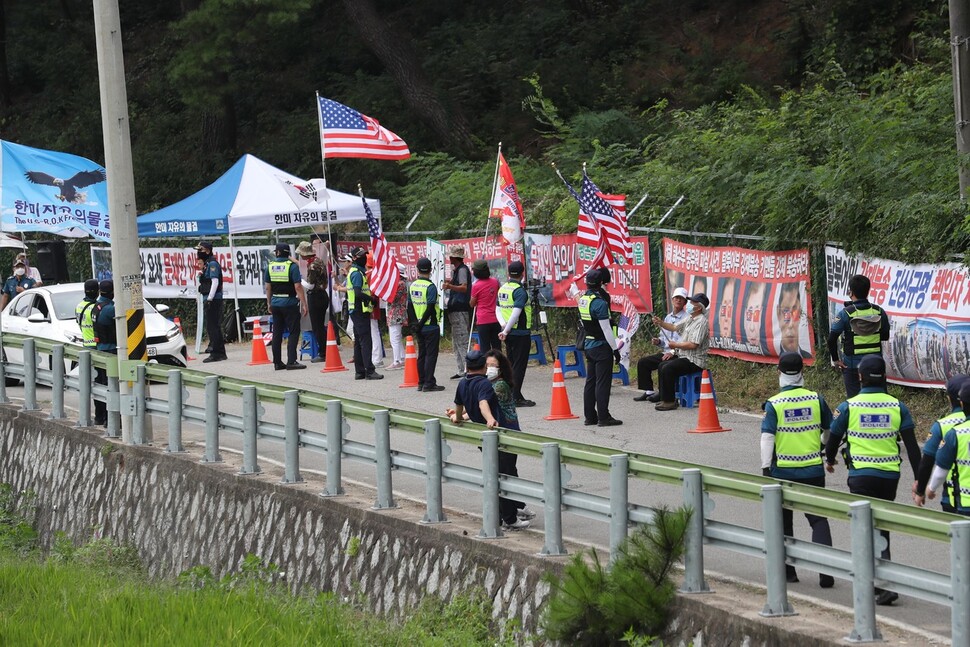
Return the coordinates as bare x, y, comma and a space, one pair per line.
172, 272
760, 301
52, 192
928, 308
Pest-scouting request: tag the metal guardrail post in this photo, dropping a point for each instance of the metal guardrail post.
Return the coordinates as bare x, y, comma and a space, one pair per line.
960, 582
291, 431
3, 380
335, 441
138, 397
619, 502
250, 419
864, 565
490, 518
774, 533
382, 456
57, 382
30, 376
212, 420
113, 404
694, 549
433, 470
175, 411
552, 495
84, 389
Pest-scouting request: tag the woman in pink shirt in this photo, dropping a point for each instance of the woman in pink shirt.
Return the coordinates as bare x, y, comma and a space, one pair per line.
484, 295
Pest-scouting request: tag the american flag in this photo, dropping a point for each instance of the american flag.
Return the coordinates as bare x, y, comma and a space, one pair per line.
347, 133
384, 276
603, 218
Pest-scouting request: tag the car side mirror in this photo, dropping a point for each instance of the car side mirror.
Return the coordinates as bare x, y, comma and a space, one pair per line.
38, 318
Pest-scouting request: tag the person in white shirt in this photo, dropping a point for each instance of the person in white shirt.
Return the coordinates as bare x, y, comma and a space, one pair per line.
647, 365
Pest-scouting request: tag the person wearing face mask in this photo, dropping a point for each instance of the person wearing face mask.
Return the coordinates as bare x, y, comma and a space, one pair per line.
690, 351
32, 272
210, 287
793, 431
16, 283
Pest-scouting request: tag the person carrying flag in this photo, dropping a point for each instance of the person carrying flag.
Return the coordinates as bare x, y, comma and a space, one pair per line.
601, 350
360, 303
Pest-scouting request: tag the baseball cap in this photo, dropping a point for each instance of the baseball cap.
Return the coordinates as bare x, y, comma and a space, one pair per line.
424, 265
700, 298
516, 268
681, 292
593, 279
790, 363
91, 286
204, 245
282, 248
357, 252
107, 286
873, 366
474, 359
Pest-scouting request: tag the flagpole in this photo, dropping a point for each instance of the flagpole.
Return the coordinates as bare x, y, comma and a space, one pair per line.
326, 213
488, 221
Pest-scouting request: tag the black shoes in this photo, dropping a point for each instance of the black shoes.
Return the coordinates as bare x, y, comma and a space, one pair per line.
790, 575
666, 406
433, 387
885, 598
279, 367
610, 422
374, 376
655, 398
524, 403
457, 376
590, 422
644, 397
214, 358
360, 376
295, 366
317, 359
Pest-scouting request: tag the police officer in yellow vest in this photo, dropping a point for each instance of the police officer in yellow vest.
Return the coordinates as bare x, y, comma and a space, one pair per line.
953, 459
863, 327
424, 315
795, 426
600, 349
872, 424
360, 305
931, 447
286, 301
513, 313
84, 311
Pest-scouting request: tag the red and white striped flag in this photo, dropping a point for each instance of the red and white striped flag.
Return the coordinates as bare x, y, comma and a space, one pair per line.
506, 203
602, 217
347, 133
384, 276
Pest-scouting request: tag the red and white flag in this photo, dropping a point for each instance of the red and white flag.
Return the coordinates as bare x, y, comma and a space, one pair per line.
506, 204
347, 133
384, 276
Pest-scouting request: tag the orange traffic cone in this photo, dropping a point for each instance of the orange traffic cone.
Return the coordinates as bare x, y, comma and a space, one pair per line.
560, 399
707, 422
332, 363
410, 365
259, 347
178, 324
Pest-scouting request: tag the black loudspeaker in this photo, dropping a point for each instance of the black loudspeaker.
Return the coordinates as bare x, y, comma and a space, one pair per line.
51, 261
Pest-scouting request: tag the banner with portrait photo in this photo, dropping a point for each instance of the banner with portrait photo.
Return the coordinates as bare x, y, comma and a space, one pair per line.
760, 300
928, 308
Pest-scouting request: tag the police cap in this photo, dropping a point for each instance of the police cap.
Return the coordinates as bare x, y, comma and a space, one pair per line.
873, 366
516, 268
424, 264
790, 363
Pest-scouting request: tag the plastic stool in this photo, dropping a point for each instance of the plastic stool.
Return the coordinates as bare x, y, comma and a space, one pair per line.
540, 354
622, 375
579, 365
308, 345
689, 389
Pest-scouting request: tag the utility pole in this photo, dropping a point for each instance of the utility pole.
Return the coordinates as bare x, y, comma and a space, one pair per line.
960, 54
125, 260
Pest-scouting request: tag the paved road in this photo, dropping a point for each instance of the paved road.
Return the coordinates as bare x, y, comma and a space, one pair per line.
662, 434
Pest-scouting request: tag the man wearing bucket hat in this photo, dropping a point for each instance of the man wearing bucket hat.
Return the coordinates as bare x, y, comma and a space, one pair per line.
872, 423
317, 299
459, 288
795, 425
210, 288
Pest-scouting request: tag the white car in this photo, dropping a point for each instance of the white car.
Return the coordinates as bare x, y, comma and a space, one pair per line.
48, 312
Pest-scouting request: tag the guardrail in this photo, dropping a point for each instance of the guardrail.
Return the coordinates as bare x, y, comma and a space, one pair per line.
859, 564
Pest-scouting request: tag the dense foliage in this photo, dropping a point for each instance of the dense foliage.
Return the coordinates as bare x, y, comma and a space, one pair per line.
798, 121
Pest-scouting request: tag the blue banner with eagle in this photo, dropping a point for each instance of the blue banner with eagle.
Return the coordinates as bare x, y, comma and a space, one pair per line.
52, 192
